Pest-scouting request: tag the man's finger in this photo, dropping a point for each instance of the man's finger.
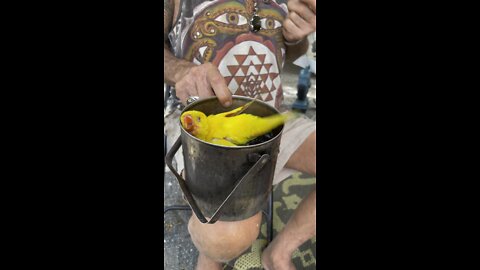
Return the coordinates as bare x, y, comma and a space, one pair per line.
301, 23
204, 89
183, 94
291, 23
192, 87
290, 30
219, 86
304, 12
312, 4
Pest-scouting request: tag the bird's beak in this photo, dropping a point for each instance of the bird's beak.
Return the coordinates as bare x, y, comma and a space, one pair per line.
188, 120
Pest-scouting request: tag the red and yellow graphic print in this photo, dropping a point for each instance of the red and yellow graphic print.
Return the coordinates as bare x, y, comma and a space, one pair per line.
250, 62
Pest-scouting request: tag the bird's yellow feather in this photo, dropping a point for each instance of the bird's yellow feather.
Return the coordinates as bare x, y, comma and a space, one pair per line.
230, 131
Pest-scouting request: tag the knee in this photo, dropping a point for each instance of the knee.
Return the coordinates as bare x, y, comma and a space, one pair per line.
304, 159
224, 241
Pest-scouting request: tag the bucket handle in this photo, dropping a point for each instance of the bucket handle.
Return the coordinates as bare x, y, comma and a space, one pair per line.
262, 160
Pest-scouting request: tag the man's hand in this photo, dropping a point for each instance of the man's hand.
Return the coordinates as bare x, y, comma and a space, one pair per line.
312, 4
300, 22
203, 81
189, 79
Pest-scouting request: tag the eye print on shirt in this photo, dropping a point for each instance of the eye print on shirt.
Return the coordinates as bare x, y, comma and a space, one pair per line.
270, 24
232, 19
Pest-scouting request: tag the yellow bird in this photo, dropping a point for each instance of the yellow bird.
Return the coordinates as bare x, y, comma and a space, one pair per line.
231, 128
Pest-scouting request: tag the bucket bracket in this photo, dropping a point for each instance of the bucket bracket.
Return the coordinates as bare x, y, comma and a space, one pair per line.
260, 162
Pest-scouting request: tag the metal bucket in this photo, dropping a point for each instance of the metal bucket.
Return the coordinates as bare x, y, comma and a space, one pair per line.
226, 183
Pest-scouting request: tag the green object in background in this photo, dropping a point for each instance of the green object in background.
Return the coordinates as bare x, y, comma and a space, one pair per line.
287, 195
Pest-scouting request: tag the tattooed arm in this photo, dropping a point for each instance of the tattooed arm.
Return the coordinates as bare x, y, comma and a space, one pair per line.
189, 79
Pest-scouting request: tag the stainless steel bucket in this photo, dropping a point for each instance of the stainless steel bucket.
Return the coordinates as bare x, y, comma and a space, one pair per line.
226, 183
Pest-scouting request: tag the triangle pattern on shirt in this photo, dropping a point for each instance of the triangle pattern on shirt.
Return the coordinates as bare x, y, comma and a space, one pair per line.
244, 69
239, 79
251, 76
262, 57
228, 79
240, 58
233, 69
268, 97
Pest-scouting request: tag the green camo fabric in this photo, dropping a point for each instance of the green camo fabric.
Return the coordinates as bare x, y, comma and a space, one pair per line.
287, 195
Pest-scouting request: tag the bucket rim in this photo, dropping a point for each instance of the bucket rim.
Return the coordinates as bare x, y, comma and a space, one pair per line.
188, 107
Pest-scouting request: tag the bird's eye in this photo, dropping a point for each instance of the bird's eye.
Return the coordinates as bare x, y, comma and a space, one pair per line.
198, 118
232, 18
269, 23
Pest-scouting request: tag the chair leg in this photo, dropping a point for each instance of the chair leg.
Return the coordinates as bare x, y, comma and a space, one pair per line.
176, 207
269, 216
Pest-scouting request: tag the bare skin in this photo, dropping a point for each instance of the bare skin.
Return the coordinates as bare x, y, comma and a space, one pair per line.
220, 242
300, 21
300, 228
312, 4
189, 79
302, 225
238, 235
223, 240
204, 262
